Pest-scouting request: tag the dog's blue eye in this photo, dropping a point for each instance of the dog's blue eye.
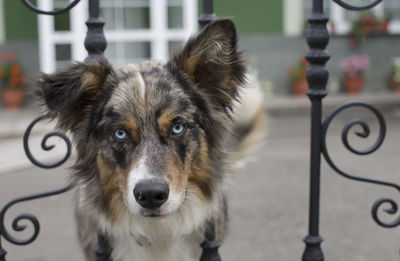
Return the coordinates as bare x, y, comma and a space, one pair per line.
120, 134
178, 128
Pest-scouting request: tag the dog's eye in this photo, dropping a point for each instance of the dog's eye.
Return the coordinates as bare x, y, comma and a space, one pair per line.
178, 128
120, 134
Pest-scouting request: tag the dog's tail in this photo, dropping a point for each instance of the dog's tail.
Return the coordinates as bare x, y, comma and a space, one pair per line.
249, 117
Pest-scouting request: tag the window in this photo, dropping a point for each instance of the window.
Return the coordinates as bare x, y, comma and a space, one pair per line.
341, 20
135, 30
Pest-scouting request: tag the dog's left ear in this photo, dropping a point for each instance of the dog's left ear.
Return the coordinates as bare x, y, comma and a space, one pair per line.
211, 61
72, 91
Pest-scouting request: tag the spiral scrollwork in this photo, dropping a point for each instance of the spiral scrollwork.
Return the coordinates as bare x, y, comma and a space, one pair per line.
392, 211
363, 134
30, 6
357, 8
16, 226
16, 223
45, 146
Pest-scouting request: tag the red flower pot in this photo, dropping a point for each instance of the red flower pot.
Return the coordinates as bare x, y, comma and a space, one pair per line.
384, 26
299, 88
13, 98
394, 84
353, 84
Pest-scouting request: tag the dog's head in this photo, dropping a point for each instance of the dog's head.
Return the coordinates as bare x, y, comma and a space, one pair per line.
150, 134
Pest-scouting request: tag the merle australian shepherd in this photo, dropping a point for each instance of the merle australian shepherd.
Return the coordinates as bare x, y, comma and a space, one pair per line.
154, 143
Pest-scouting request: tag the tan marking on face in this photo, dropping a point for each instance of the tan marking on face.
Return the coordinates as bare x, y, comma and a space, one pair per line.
113, 185
193, 189
164, 121
175, 174
200, 170
132, 125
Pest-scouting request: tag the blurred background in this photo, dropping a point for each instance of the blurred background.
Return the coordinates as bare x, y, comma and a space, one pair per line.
269, 198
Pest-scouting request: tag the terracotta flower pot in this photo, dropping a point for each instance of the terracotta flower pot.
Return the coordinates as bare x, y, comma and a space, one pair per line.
384, 26
13, 98
353, 84
299, 88
394, 84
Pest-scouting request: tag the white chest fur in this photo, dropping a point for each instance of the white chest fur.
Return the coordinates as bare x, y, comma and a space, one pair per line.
176, 237
139, 249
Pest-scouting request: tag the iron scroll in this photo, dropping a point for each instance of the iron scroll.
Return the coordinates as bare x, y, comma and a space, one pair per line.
30, 6
45, 146
357, 8
362, 134
28, 217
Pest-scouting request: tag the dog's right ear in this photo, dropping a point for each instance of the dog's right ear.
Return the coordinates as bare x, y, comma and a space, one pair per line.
72, 90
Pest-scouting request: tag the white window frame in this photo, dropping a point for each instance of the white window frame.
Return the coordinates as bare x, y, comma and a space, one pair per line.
158, 34
294, 18
49, 37
2, 22
343, 26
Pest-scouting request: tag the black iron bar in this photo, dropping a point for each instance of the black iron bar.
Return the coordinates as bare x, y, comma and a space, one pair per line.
317, 77
357, 8
3, 252
95, 42
103, 251
208, 14
210, 245
33, 8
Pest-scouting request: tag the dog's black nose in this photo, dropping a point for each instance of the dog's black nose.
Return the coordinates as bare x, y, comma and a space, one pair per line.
151, 194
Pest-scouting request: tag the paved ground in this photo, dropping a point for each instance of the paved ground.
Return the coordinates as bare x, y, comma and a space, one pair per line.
268, 199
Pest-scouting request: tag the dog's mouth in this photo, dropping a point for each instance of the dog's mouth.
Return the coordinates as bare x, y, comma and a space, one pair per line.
153, 213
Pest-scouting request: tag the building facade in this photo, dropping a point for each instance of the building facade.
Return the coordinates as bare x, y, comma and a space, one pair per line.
271, 34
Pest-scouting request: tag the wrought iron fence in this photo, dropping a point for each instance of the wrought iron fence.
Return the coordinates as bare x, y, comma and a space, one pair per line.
317, 76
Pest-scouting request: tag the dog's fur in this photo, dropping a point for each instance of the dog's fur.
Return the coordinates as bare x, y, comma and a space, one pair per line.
196, 91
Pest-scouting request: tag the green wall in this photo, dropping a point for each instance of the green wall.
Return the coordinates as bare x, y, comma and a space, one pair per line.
252, 16
21, 23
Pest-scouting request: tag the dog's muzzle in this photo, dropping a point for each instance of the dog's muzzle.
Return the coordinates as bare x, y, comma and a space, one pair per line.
151, 194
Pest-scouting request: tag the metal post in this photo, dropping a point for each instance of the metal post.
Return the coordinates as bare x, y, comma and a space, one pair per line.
103, 251
210, 245
95, 42
317, 77
2, 252
208, 14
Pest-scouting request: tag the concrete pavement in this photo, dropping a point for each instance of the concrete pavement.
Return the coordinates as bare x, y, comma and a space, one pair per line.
268, 200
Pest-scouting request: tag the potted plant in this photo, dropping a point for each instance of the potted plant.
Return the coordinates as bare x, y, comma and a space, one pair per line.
395, 75
364, 24
384, 24
367, 23
298, 79
353, 68
13, 81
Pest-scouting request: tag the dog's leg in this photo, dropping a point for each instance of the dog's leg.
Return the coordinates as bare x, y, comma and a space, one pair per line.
86, 234
220, 220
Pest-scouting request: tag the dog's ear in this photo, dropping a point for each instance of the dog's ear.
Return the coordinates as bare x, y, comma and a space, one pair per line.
71, 90
211, 60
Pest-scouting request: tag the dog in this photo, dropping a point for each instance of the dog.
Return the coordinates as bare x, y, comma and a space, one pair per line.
154, 143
